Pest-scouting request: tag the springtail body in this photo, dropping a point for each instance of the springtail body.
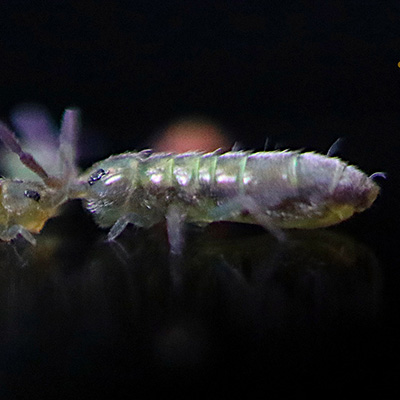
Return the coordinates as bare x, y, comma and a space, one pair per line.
278, 189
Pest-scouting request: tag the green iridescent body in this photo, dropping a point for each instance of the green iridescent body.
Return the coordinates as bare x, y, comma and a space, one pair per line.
275, 189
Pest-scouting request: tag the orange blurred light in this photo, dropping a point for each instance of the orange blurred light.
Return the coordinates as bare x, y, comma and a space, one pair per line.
190, 134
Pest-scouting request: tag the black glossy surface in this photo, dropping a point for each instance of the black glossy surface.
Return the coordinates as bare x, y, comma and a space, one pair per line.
236, 306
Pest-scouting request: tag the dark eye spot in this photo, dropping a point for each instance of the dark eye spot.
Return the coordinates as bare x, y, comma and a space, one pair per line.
96, 176
31, 194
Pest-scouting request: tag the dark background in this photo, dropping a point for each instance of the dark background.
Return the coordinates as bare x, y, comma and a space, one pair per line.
301, 73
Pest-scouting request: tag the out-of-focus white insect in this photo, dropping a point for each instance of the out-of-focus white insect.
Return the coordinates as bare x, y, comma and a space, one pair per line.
25, 205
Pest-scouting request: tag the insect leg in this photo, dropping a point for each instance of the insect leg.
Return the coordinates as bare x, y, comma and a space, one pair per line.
122, 222
175, 223
245, 203
13, 231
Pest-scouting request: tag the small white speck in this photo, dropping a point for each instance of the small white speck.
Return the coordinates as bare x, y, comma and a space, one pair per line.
246, 180
112, 179
226, 178
156, 178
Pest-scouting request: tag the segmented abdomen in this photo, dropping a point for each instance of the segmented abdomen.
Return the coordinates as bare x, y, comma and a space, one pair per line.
270, 177
194, 175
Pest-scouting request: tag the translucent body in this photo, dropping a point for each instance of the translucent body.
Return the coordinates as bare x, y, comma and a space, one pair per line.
26, 205
273, 189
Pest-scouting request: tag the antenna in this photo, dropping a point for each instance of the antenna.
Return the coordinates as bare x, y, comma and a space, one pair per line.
10, 140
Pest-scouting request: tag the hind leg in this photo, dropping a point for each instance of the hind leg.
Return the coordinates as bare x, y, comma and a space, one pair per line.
243, 203
175, 224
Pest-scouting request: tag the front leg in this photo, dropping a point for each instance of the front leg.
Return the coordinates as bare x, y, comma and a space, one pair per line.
122, 223
15, 230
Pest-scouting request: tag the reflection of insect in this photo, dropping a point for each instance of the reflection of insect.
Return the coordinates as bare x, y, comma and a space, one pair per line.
26, 205
274, 189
